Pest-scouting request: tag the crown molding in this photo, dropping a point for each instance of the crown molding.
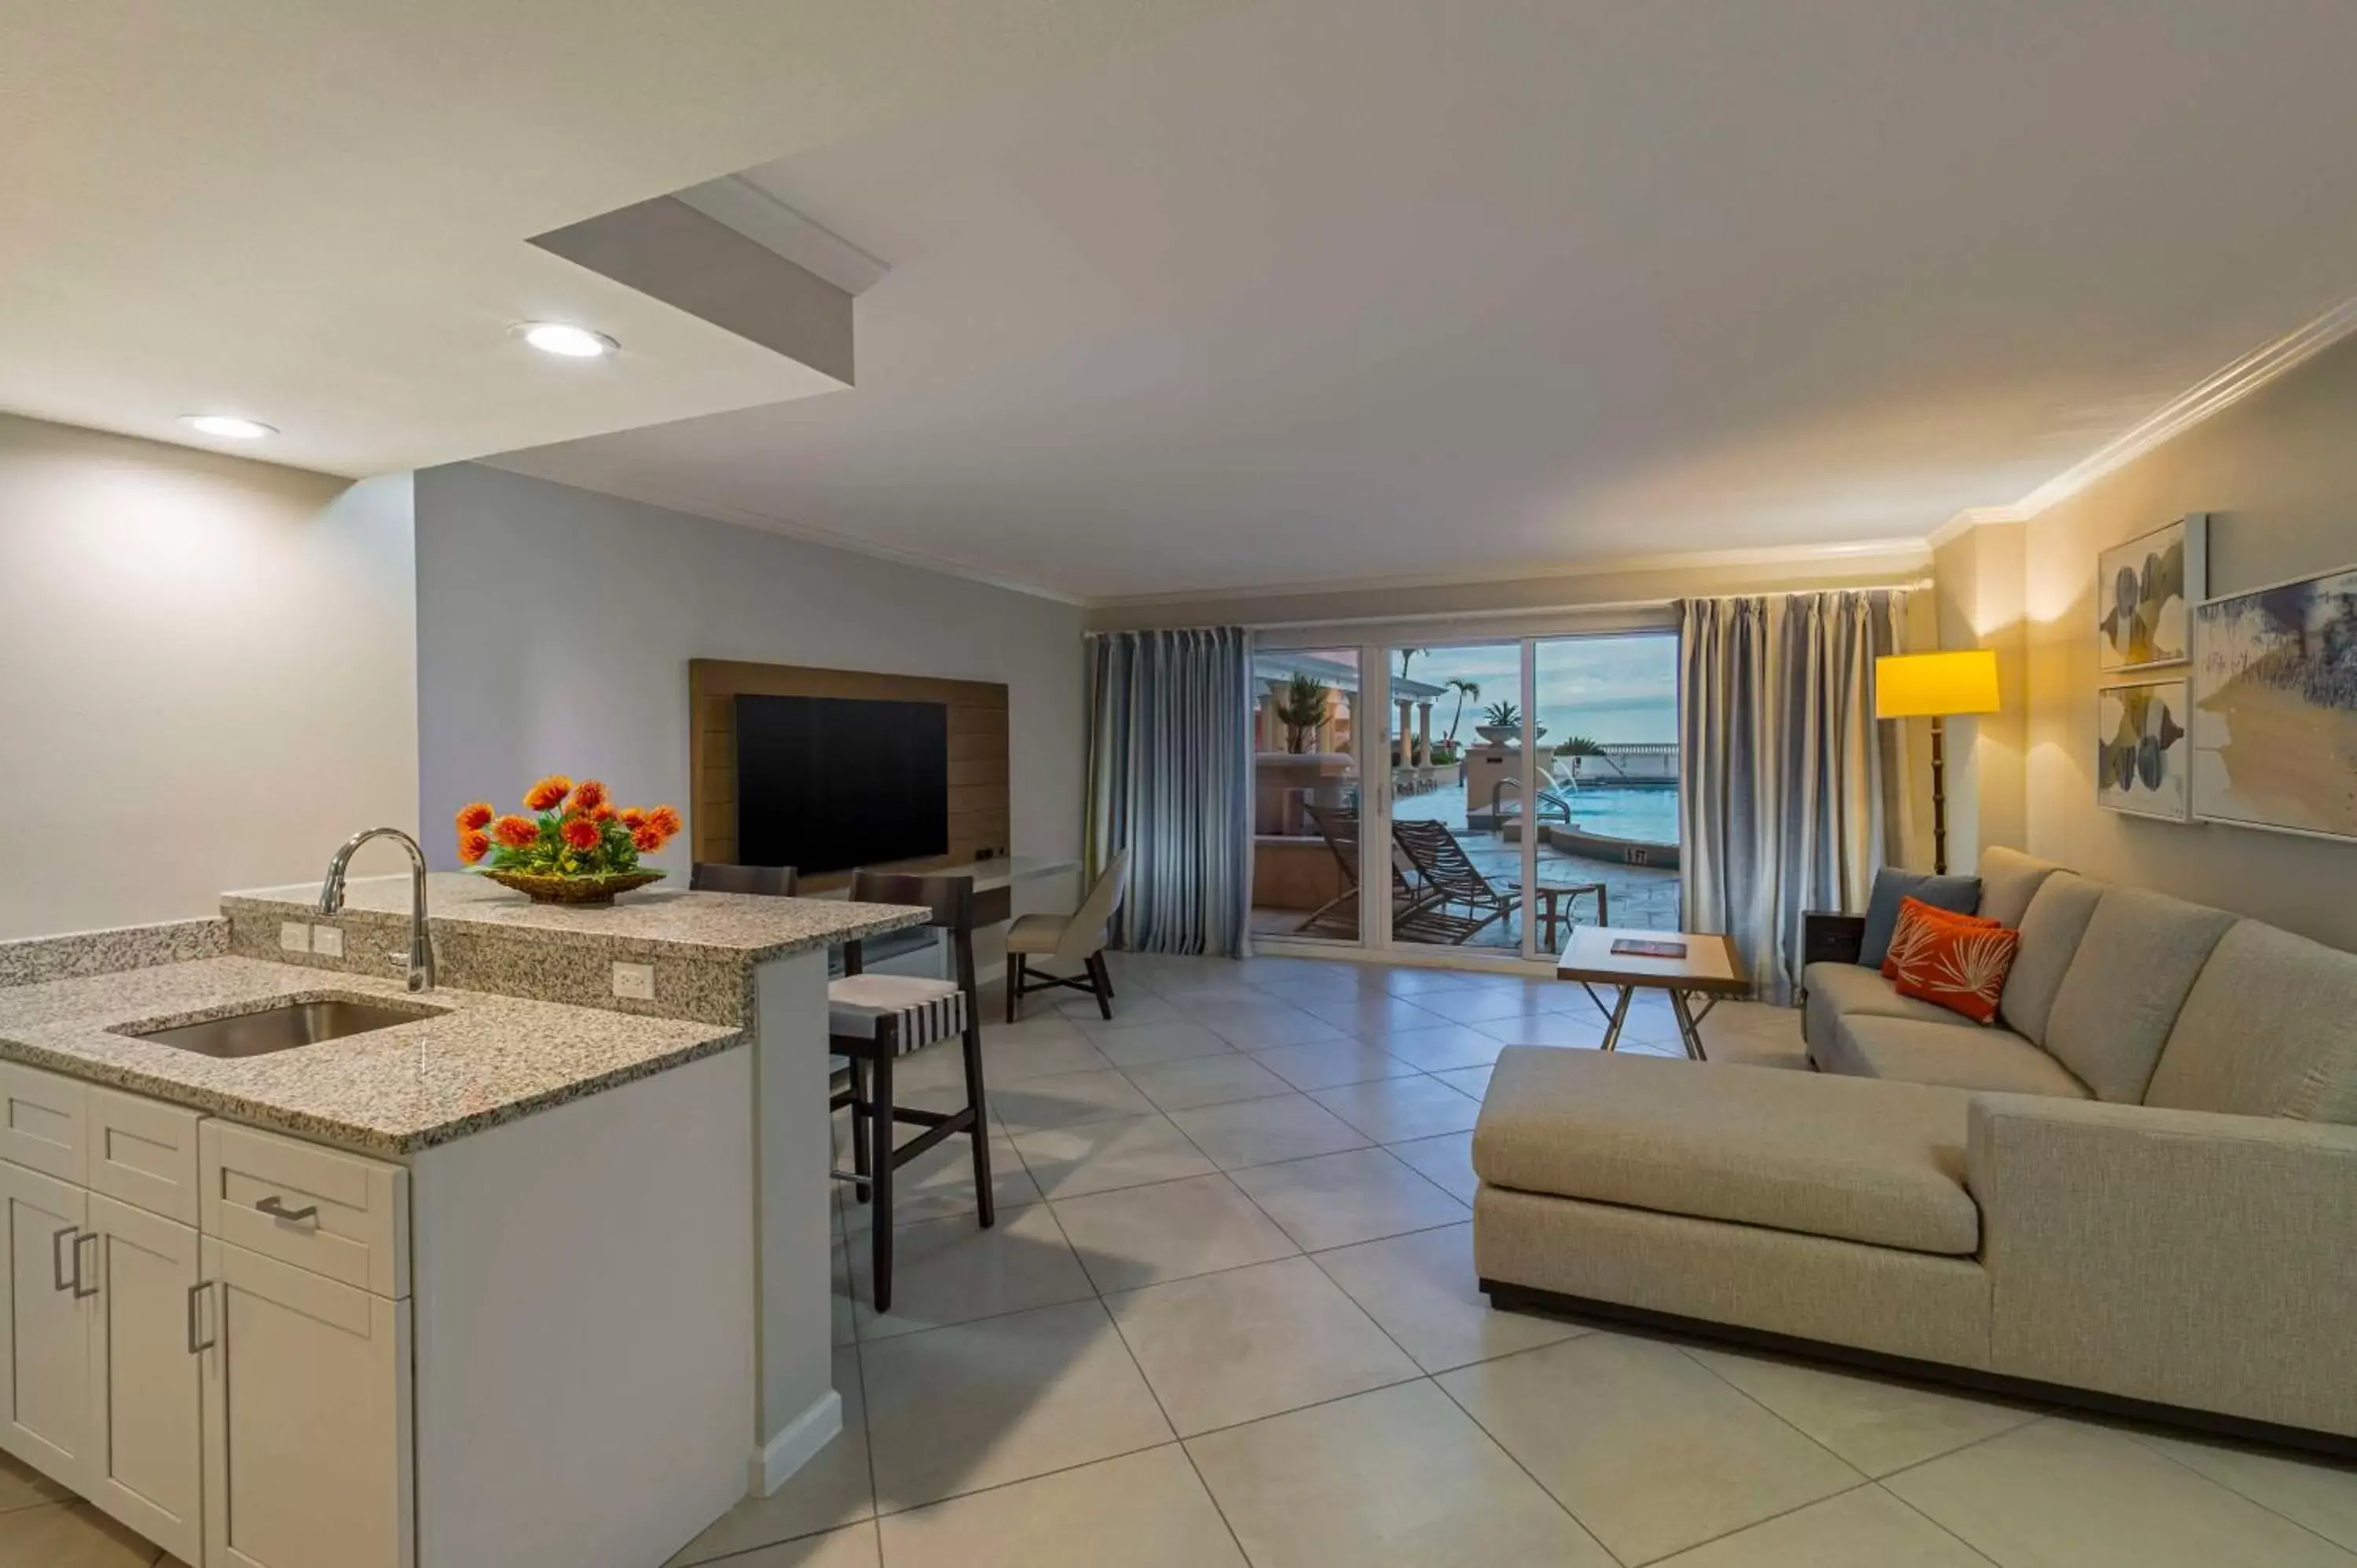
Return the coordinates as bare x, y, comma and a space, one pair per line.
2204, 401
1512, 572
735, 202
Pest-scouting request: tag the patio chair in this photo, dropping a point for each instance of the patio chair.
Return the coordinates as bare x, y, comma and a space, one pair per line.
1415, 912
1450, 879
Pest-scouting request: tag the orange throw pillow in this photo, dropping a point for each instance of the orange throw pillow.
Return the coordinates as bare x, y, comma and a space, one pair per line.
1959, 967
1914, 916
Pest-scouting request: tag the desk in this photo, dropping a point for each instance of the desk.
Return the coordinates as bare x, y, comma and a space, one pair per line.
1710, 969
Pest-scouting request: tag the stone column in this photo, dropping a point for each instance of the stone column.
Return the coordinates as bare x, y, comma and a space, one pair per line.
1401, 746
1424, 733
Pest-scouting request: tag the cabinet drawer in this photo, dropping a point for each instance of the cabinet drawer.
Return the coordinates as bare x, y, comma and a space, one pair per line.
143, 1153
335, 1214
44, 1121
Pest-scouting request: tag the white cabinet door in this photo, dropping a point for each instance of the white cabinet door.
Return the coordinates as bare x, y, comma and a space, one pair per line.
45, 1326
306, 1402
146, 1384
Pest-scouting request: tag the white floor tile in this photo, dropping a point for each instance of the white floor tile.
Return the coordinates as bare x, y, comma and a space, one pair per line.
1473, 1082
1878, 1425
2321, 1496
1371, 1015
1067, 1099
940, 1183
1234, 1347
1261, 1024
1335, 1200
2058, 1493
1001, 1400
1143, 1235
1576, 1030
948, 1271
69, 1535
1259, 1132
1323, 1064
1449, 1046
1397, 1479
1103, 1156
1648, 1450
1141, 1044
1446, 1160
1207, 1081
1012, 1053
1423, 1290
1867, 1527
1142, 1510
1398, 1109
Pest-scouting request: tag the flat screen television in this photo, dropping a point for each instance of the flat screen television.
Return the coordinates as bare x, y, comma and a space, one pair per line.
829, 783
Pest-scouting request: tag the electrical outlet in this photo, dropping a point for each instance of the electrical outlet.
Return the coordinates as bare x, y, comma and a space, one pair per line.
635, 981
327, 941
294, 936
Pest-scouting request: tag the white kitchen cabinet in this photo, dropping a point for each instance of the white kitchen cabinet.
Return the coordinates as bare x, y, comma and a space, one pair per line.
146, 1393
307, 1419
45, 1326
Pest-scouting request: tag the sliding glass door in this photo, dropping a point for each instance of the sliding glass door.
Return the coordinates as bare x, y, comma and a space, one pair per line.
1476, 797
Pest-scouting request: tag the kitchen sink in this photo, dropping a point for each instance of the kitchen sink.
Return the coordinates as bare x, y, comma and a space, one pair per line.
283, 1028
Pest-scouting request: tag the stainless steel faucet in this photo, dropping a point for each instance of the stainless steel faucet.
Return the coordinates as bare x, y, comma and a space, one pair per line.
331, 899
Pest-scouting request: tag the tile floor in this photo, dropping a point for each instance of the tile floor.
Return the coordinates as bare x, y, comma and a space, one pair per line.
1227, 1319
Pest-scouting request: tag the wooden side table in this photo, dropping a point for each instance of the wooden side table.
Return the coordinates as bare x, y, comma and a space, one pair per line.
1710, 969
1551, 897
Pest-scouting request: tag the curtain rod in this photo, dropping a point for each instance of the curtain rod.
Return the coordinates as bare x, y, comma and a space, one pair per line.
1527, 612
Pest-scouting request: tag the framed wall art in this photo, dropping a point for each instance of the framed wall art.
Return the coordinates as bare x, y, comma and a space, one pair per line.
2143, 762
2145, 592
2274, 718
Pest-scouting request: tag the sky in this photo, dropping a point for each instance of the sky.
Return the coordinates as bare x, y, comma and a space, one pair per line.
1609, 689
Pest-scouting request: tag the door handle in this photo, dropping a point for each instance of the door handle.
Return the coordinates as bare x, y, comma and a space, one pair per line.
80, 1294
58, 1266
275, 1206
196, 1294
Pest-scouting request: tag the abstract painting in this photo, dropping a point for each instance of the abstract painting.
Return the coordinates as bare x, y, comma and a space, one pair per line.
2144, 590
2275, 727
2140, 752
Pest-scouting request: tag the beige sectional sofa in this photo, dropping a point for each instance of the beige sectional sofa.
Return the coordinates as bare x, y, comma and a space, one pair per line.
2140, 1186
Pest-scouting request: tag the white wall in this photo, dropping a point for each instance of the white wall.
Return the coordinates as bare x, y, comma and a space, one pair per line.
555, 627
208, 675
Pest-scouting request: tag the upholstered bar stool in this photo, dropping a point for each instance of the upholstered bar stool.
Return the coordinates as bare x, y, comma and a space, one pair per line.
1078, 937
874, 1019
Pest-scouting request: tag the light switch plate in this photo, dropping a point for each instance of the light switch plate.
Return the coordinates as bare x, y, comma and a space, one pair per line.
635, 981
294, 936
327, 941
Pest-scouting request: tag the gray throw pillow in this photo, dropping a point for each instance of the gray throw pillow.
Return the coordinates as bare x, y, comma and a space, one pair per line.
1958, 895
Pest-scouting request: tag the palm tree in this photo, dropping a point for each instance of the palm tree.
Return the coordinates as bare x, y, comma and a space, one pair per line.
1406, 654
1464, 688
1301, 709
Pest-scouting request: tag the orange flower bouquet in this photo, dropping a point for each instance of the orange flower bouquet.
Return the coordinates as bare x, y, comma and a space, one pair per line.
576, 847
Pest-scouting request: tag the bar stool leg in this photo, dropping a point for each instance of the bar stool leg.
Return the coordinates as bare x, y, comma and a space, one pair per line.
879, 1120
859, 1122
1013, 984
977, 1100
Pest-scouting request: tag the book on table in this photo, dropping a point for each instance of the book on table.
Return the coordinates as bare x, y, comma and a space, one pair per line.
1643, 947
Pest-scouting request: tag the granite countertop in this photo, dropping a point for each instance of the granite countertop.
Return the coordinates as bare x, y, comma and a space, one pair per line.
652, 922
480, 1060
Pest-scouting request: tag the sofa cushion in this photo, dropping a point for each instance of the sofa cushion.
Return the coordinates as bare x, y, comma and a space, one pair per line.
2009, 879
2270, 1029
1879, 1163
1958, 966
1840, 990
2141, 954
1910, 1051
1961, 895
2051, 928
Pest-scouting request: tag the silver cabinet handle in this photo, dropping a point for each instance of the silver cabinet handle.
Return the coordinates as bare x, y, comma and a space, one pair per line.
197, 1293
57, 1267
275, 1206
80, 1294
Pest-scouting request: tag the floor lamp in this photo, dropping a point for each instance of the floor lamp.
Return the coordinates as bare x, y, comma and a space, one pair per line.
1936, 686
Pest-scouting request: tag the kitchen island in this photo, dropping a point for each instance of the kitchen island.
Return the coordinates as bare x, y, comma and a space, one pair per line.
523, 1272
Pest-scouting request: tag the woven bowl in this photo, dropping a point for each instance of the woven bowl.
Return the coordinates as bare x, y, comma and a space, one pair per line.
584, 890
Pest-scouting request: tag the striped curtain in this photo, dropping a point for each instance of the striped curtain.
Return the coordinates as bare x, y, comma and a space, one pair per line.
1787, 787
1170, 780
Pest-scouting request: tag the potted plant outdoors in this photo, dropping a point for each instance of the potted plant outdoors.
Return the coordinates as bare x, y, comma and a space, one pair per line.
1301, 709
577, 846
1502, 724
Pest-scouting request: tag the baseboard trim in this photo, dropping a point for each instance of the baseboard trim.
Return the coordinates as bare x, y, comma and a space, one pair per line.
1523, 1298
797, 1443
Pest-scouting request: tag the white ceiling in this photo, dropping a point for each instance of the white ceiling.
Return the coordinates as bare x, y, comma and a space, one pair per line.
1345, 289
316, 214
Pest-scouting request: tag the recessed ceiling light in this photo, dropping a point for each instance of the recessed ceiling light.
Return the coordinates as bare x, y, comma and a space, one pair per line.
572, 342
229, 426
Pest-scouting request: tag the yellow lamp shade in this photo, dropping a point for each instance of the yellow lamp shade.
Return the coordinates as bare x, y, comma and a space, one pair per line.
1935, 685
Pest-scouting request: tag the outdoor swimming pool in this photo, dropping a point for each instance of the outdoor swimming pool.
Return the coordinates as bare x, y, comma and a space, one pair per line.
1648, 813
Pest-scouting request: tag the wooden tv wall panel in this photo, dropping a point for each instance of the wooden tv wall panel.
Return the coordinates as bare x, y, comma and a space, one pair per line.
979, 822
